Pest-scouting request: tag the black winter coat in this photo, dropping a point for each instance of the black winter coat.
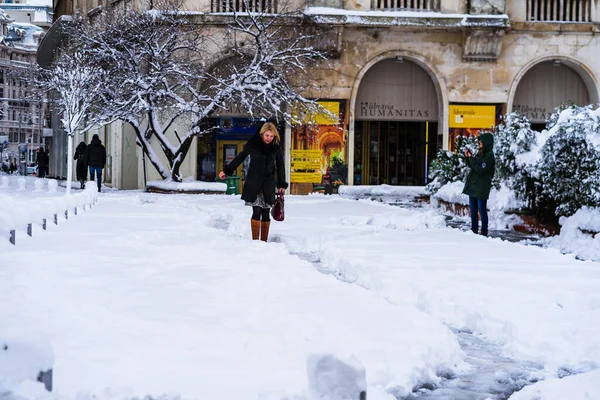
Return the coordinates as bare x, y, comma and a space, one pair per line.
81, 170
95, 154
42, 159
483, 166
266, 160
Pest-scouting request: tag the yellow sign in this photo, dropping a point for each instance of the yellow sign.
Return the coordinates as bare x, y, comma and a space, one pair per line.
465, 116
305, 165
320, 118
306, 154
306, 177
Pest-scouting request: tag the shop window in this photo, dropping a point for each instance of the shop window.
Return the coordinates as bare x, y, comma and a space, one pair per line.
560, 10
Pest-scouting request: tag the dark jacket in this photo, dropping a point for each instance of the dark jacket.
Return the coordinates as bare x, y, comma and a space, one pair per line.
261, 172
81, 170
479, 180
42, 159
95, 154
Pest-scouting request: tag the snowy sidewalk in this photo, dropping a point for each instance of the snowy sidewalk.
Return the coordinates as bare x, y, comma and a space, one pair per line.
143, 298
154, 294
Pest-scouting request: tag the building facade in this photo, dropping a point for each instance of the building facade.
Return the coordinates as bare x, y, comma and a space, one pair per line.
21, 118
405, 77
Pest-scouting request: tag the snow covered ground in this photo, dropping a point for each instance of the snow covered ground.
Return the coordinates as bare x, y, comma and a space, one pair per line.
150, 294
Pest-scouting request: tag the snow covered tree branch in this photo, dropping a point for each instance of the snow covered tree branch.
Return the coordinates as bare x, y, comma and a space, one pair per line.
75, 87
168, 72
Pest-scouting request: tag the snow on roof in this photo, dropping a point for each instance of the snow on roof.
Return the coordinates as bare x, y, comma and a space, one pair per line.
374, 17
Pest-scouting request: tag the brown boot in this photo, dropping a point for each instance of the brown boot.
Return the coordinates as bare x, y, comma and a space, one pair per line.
264, 230
255, 225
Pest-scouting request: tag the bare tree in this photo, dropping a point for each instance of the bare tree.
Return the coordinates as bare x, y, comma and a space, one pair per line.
170, 73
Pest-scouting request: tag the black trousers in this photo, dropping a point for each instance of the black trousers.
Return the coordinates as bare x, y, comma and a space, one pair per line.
261, 214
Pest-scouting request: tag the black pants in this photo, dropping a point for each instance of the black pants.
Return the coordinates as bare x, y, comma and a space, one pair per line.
259, 213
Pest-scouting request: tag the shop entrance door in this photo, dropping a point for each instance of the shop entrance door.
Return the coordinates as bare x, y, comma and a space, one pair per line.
227, 150
393, 152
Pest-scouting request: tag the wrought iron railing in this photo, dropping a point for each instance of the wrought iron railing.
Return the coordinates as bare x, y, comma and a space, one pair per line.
405, 5
227, 6
560, 10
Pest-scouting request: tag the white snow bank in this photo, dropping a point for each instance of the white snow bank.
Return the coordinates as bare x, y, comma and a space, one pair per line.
575, 387
17, 213
22, 357
502, 199
577, 234
188, 186
382, 190
332, 378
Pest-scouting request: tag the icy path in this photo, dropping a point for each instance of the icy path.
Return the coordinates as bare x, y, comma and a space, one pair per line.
143, 301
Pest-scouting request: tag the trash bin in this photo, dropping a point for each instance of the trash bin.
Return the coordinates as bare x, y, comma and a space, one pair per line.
232, 184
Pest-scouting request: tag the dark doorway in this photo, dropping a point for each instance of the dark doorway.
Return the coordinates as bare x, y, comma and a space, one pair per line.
393, 152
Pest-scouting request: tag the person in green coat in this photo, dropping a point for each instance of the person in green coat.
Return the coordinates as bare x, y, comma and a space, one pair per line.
479, 181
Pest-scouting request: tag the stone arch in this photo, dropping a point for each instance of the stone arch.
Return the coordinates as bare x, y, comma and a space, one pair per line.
580, 69
418, 59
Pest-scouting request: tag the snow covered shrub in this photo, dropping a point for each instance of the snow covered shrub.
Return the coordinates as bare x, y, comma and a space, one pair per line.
514, 137
569, 167
450, 166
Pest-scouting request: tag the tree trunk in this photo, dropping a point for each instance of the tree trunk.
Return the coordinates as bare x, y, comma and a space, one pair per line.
143, 143
70, 137
179, 158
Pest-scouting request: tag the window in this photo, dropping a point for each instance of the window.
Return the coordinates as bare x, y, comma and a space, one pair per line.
560, 10
405, 5
264, 6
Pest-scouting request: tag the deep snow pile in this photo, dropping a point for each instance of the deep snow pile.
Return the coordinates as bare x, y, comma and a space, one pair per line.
175, 299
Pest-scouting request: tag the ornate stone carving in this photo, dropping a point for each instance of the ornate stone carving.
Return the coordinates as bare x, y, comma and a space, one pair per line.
482, 44
478, 7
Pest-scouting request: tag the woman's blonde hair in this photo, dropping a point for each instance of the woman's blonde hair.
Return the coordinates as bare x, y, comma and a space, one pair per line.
269, 126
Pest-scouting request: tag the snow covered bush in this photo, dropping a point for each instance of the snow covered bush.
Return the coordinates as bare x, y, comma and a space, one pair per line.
564, 162
514, 137
570, 164
450, 166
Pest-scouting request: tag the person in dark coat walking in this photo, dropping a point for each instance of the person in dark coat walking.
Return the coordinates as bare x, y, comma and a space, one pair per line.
81, 168
479, 181
95, 159
42, 160
265, 173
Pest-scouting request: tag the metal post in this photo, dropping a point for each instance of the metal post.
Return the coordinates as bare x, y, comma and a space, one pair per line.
66, 214
12, 236
29, 232
75, 210
363, 395
55, 219
44, 224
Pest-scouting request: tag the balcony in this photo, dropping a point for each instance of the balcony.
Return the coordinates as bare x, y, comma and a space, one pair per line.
406, 5
228, 6
559, 10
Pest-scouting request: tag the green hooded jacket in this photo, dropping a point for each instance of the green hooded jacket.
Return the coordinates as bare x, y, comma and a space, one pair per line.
479, 180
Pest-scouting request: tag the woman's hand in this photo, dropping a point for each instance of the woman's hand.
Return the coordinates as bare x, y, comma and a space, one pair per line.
281, 191
221, 175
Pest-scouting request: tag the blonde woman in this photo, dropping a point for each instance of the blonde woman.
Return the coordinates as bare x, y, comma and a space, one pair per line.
265, 173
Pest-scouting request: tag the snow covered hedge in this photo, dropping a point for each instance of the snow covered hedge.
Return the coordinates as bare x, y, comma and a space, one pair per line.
554, 173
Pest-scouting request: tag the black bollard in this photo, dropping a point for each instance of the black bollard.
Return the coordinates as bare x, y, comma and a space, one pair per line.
12, 236
55, 219
46, 378
67, 214
363, 395
75, 210
29, 232
44, 224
